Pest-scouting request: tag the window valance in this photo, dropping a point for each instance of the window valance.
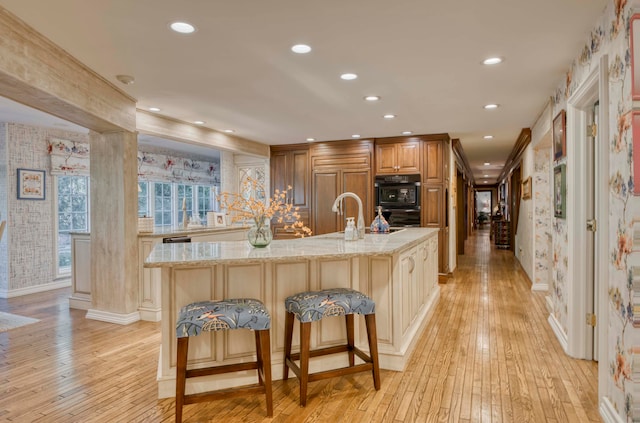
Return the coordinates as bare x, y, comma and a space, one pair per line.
69, 157
162, 167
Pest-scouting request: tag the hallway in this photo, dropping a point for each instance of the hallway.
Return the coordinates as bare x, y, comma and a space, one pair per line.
486, 355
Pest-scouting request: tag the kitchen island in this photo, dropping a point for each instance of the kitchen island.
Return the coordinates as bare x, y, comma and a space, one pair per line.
398, 270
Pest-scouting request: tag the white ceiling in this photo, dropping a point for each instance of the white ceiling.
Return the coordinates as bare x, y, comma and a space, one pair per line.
422, 56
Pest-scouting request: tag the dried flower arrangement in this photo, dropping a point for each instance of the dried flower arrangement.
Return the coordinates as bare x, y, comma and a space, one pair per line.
244, 206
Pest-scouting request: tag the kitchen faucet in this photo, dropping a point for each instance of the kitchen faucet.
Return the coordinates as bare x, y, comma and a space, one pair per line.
336, 208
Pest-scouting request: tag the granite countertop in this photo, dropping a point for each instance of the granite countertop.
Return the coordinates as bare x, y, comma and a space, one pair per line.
322, 246
163, 231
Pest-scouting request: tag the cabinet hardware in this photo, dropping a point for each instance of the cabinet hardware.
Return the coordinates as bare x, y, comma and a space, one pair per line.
592, 225
591, 319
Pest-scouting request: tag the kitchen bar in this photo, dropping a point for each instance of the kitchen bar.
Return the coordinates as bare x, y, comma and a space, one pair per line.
399, 271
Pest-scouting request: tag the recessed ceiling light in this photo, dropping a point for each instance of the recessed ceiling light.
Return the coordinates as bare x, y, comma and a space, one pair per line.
355, 136
182, 27
372, 98
407, 132
491, 106
488, 137
229, 131
199, 122
487, 164
154, 109
311, 139
126, 79
492, 61
348, 76
301, 48
485, 176
389, 116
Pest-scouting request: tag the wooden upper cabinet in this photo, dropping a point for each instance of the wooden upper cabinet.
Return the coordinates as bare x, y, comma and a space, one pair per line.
433, 162
397, 157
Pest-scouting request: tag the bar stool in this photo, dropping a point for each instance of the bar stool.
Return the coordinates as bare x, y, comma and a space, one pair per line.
229, 314
312, 306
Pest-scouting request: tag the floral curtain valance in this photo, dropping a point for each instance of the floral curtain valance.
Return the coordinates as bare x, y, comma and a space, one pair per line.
69, 157
162, 167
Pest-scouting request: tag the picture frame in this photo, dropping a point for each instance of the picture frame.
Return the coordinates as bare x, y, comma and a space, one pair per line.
219, 220
560, 135
526, 188
31, 184
559, 191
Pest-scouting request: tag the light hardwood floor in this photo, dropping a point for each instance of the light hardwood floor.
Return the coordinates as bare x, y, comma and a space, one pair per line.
487, 355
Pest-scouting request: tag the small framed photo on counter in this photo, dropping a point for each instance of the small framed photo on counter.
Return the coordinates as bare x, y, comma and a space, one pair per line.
219, 220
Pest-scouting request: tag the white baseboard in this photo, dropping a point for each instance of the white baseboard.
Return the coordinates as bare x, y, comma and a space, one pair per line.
540, 287
11, 293
557, 329
118, 318
608, 412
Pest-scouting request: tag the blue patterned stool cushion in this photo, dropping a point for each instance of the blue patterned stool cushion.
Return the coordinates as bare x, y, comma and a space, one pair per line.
314, 305
237, 313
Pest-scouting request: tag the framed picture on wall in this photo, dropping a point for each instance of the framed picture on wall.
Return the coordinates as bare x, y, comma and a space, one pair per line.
560, 135
31, 184
526, 188
559, 191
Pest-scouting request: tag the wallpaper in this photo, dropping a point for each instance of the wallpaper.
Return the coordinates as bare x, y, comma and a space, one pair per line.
611, 37
542, 219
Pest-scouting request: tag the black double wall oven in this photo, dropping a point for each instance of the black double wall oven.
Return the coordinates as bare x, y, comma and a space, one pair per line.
399, 197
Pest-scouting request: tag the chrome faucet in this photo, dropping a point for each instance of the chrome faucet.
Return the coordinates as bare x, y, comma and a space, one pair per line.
338, 209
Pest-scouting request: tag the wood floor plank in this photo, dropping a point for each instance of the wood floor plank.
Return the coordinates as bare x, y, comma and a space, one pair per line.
487, 354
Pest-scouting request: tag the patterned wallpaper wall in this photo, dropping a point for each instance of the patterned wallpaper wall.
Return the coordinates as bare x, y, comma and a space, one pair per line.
541, 180
29, 260
609, 36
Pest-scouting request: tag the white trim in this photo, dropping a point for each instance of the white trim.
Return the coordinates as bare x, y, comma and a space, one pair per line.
118, 318
540, 287
602, 236
608, 411
557, 329
19, 292
595, 87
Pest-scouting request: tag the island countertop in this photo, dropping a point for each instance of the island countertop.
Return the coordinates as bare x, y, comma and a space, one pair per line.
320, 246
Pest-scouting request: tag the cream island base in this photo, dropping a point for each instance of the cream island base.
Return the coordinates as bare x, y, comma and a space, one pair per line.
398, 270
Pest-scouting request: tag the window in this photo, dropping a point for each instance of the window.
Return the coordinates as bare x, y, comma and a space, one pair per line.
143, 199
206, 201
164, 201
162, 204
185, 201
72, 194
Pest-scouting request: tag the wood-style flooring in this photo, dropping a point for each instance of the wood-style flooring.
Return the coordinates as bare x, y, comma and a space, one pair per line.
487, 355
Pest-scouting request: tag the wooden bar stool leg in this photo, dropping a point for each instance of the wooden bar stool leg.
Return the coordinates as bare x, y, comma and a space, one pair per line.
258, 337
288, 339
372, 337
350, 339
181, 375
305, 346
265, 368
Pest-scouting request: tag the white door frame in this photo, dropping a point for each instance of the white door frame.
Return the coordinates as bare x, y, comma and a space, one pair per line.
595, 87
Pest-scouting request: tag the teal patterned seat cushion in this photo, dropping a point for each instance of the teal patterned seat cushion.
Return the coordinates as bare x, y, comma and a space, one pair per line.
237, 313
311, 306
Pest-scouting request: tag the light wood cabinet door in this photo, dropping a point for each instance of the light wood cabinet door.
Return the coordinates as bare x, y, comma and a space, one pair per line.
290, 167
432, 210
433, 160
408, 157
385, 158
398, 158
325, 190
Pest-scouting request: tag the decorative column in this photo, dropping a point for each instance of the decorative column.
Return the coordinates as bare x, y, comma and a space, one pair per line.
114, 235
